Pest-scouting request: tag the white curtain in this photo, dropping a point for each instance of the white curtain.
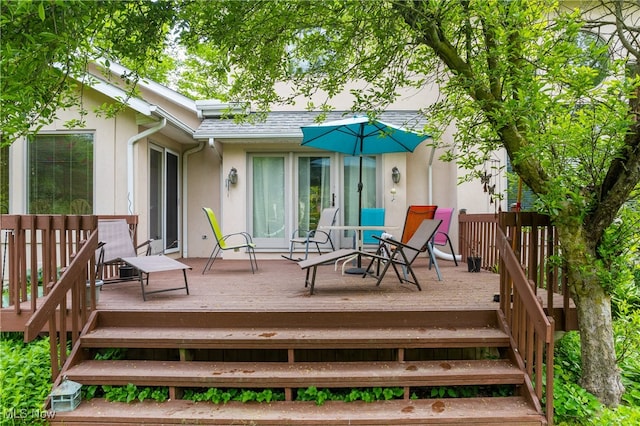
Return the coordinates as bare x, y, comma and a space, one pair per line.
268, 197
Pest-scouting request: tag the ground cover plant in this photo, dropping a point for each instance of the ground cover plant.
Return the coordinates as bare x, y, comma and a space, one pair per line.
25, 383
25, 379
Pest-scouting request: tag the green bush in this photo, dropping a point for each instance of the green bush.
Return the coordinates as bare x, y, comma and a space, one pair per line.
623, 415
25, 379
628, 351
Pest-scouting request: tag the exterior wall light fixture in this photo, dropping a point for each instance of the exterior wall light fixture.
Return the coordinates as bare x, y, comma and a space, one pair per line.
395, 175
232, 178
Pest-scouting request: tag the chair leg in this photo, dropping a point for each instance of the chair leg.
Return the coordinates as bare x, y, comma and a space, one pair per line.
291, 250
212, 259
252, 253
306, 249
432, 258
453, 253
415, 279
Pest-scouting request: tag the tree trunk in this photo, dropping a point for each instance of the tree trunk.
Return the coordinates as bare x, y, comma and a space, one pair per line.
600, 373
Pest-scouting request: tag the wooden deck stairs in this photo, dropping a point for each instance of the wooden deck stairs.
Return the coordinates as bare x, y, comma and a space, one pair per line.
425, 354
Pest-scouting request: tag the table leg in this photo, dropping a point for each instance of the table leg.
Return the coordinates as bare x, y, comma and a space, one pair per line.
358, 270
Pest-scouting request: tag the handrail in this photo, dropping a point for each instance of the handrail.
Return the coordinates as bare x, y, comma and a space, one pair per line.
33, 251
531, 330
54, 308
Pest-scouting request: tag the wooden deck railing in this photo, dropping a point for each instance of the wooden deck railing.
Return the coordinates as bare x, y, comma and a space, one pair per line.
533, 239
35, 248
521, 247
65, 302
531, 330
46, 262
477, 237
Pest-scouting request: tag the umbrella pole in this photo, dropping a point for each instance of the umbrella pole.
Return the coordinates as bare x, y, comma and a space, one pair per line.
359, 231
360, 194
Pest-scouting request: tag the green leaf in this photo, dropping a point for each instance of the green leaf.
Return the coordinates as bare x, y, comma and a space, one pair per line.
41, 11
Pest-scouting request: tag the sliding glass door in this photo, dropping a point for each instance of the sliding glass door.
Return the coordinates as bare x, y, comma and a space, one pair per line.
288, 193
163, 199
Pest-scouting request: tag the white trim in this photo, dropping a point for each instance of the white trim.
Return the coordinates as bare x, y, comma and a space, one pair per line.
157, 88
116, 93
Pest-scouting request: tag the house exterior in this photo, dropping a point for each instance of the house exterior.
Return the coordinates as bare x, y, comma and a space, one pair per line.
165, 156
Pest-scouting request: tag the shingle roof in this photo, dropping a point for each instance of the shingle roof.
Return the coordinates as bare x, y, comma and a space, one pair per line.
286, 124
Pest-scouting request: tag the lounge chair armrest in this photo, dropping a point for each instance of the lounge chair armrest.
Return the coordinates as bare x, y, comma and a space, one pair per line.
389, 241
147, 243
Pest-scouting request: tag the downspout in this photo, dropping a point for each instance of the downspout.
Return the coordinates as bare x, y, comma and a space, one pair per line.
438, 253
430, 177
132, 141
185, 198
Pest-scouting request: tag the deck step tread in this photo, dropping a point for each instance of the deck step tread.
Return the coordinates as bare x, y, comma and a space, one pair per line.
294, 337
485, 411
303, 374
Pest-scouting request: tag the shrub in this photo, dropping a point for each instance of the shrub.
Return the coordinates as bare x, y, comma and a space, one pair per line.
25, 378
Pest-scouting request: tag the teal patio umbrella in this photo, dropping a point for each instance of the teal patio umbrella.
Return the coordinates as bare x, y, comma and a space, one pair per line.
358, 136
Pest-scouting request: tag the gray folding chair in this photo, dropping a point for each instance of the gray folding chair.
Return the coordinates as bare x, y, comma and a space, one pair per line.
315, 236
403, 255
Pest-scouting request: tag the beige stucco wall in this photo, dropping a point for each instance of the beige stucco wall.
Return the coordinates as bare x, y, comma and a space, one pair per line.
109, 144
204, 166
418, 185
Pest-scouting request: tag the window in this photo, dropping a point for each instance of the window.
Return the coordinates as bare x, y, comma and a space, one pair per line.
314, 189
352, 175
269, 200
281, 180
61, 174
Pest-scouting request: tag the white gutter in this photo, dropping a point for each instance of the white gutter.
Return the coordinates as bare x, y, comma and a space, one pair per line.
185, 198
132, 141
212, 145
438, 253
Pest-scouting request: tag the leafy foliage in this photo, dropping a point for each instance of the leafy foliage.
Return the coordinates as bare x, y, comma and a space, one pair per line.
25, 375
50, 43
222, 396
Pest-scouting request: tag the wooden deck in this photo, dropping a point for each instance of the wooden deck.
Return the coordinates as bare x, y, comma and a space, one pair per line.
422, 336
278, 285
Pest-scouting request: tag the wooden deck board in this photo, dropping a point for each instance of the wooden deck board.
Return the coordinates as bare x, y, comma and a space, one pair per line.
279, 285
294, 337
477, 411
302, 374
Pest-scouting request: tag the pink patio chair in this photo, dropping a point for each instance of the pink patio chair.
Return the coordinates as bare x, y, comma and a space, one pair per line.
441, 238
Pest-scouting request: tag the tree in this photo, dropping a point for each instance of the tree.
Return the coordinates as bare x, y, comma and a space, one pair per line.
46, 45
518, 75
512, 74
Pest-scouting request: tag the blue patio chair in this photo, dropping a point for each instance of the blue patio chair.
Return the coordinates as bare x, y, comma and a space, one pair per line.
371, 217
